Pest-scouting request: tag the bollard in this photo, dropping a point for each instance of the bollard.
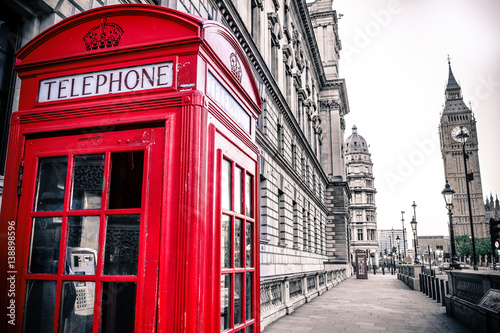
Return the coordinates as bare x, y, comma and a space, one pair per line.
429, 283
442, 293
438, 291
433, 288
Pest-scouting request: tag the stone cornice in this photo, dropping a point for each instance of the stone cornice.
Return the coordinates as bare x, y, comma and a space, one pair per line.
302, 10
237, 26
340, 84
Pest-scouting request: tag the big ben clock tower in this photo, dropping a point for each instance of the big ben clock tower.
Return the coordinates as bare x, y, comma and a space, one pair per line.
458, 127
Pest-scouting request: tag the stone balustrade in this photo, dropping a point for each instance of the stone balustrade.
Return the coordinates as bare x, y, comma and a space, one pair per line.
465, 300
410, 274
279, 296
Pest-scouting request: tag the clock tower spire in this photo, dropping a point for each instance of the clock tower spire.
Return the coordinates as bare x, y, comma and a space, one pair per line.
453, 90
457, 117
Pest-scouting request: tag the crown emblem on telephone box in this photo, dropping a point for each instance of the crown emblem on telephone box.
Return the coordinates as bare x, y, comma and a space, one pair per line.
103, 35
235, 66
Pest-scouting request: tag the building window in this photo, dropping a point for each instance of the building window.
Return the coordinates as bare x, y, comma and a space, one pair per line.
296, 231
371, 234
360, 234
369, 197
304, 229
255, 22
282, 219
359, 216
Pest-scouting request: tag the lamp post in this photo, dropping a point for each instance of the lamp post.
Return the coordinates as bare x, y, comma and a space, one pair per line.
413, 224
404, 231
462, 137
448, 198
399, 252
414, 227
429, 256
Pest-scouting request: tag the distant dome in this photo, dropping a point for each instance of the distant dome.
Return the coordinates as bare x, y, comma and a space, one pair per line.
355, 141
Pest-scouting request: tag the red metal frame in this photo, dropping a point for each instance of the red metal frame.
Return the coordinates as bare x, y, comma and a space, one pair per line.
178, 281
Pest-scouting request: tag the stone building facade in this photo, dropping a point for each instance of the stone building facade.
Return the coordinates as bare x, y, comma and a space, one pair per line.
456, 115
294, 48
363, 210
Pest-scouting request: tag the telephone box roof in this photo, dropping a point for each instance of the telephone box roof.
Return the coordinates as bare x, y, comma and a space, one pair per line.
110, 31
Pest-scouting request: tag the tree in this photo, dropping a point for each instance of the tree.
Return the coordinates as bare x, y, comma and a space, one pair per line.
463, 246
483, 246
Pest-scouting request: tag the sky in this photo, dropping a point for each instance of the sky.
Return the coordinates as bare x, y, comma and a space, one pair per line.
394, 59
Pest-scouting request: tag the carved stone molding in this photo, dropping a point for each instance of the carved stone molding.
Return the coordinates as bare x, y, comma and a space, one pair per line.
301, 94
288, 59
297, 80
342, 123
275, 28
327, 105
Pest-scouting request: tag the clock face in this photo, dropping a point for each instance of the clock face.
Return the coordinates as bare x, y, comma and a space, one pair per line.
460, 130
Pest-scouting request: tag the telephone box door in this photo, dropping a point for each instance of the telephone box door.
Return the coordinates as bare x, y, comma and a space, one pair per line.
89, 219
236, 171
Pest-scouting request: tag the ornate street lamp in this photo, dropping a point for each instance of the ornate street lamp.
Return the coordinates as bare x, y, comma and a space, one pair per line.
399, 252
461, 134
413, 224
448, 198
404, 231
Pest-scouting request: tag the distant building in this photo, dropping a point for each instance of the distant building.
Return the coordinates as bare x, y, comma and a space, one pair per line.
387, 240
363, 226
492, 208
439, 247
456, 116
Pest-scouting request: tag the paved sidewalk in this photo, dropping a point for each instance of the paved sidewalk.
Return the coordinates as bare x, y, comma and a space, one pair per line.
380, 304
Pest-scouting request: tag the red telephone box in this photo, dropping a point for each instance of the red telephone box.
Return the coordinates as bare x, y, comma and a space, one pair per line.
361, 265
130, 199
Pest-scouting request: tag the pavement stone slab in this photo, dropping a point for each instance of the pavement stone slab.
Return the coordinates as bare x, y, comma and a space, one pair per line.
381, 303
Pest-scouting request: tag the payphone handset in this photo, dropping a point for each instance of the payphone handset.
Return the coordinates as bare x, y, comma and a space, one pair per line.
82, 261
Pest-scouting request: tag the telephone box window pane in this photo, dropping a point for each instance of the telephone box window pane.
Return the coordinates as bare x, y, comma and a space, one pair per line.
238, 242
238, 293
126, 179
44, 252
226, 185
118, 307
248, 195
248, 244
248, 296
121, 252
88, 182
225, 304
249, 329
83, 245
50, 184
77, 307
39, 306
225, 242
238, 188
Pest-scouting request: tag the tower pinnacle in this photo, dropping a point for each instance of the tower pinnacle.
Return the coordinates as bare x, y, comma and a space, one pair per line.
452, 83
